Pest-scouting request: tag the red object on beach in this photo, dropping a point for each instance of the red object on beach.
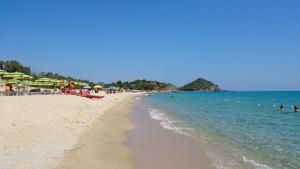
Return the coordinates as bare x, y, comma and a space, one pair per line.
90, 96
93, 97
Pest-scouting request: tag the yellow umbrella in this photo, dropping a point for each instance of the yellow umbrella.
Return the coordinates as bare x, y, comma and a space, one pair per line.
98, 87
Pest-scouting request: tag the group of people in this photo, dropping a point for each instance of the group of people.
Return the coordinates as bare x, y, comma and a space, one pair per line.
295, 108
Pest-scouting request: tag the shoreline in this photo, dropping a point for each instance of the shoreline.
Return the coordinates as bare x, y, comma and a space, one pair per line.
70, 132
153, 146
102, 146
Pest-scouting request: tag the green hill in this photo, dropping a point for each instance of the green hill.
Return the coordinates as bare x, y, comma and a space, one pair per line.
200, 85
143, 85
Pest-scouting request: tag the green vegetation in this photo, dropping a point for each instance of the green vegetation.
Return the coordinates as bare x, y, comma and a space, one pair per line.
143, 85
200, 85
15, 66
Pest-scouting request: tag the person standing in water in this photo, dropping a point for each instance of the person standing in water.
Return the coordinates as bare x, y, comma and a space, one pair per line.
281, 108
295, 109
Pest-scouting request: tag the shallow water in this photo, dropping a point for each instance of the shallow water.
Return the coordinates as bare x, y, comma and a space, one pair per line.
238, 129
154, 147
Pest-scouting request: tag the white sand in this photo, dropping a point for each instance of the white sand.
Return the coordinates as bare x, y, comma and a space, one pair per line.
38, 131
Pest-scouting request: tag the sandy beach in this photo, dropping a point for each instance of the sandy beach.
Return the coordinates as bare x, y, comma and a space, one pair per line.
71, 132
60, 131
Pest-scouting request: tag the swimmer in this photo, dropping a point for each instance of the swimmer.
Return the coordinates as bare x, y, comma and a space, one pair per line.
281, 108
295, 108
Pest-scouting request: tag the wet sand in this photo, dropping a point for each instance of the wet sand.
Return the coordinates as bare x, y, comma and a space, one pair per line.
102, 146
155, 147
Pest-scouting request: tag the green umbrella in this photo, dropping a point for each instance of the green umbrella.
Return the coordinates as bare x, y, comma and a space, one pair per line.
27, 77
48, 84
36, 84
26, 82
24, 77
56, 81
13, 81
3, 72
44, 79
2, 81
14, 75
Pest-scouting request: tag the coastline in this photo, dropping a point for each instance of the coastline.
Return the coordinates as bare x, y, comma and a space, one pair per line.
153, 146
102, 146
62, 131
70, 132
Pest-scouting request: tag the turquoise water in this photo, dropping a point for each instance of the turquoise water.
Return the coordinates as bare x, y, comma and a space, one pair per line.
238, 129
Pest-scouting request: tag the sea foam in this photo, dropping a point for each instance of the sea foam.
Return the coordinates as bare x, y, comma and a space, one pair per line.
167, 123
256, 164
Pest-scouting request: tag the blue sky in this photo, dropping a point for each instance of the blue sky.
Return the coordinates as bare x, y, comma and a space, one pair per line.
238, 44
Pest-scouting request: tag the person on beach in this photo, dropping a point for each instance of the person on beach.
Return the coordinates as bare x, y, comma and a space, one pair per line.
7, 87
295, 109
62, 86
281, 108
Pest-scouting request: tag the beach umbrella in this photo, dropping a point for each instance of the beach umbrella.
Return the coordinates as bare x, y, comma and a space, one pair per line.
56, 81
98, 87
87, 87
44, 79
14, 75
13, 81
113, 87
28, 77
27, 82
47, 84
3, 72
36, 84
83, 84
2, 81
25, 77
77, 83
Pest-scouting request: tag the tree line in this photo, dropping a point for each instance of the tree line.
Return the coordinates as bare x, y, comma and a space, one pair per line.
15, 66
143, 85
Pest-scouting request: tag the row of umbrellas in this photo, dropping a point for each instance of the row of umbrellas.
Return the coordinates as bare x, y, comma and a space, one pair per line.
24, 79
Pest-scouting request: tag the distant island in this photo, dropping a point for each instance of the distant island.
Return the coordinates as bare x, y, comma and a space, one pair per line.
200, 84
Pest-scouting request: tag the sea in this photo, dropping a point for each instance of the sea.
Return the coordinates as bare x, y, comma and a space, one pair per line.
239, 130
